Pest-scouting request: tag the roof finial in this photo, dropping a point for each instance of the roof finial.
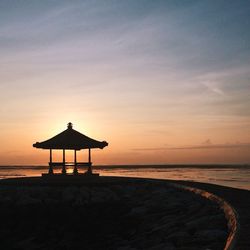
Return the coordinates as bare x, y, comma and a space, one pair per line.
70, 125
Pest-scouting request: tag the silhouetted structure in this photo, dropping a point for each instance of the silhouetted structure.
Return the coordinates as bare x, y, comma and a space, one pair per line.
70, 139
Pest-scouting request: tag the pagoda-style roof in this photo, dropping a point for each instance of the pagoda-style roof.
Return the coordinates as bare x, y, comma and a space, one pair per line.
70, 139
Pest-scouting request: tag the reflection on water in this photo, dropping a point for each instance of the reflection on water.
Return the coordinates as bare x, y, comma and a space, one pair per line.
231, 176
239, 178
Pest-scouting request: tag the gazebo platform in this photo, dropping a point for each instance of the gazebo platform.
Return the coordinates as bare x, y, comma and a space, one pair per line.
79, 175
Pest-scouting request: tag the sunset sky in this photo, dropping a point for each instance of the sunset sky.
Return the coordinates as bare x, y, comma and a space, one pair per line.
161, 81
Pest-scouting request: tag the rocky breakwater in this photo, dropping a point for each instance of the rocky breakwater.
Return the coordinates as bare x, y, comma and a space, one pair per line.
123, 216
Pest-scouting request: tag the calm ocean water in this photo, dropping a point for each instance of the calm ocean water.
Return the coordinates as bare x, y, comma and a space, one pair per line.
232, 176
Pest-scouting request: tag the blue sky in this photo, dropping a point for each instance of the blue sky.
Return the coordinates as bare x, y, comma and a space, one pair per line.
162, 72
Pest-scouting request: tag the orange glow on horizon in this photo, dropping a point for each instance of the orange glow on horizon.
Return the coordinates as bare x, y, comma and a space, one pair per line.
128, 144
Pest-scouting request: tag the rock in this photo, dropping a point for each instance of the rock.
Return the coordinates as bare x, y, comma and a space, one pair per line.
26, 200
69, 194
110, 195
122, 216
98, 196
129, 191
160, 193
50, 201
212, 235
138, 211
85, 193
179, 237
126, 248
193, 207
6, 200
27, 243
79, 201
174, 206
163, 246
207, 222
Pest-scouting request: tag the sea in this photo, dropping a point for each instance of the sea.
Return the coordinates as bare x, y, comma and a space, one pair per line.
236, 176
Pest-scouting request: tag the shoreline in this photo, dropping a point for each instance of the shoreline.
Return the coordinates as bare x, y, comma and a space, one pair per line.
239, 199
230, 176
132, 166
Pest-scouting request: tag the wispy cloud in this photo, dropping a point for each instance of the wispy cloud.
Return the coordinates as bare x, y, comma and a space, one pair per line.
201, 146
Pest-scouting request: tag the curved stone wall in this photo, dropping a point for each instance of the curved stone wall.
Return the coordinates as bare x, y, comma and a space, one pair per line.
147, 209
230, 214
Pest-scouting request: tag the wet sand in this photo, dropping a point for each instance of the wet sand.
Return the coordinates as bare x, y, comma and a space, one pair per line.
238, 198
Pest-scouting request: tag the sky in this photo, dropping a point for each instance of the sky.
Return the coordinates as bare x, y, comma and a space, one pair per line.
161, 81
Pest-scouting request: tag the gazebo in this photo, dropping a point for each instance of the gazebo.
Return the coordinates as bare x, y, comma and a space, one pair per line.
70, 139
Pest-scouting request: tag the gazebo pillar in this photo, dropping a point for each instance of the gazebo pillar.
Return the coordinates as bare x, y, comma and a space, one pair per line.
50, 162
63, 167
90, 168
75, 165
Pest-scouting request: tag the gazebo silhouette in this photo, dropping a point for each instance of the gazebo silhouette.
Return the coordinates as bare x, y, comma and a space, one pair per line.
70, 139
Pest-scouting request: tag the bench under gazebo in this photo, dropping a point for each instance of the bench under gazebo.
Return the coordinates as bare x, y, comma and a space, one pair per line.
70, 139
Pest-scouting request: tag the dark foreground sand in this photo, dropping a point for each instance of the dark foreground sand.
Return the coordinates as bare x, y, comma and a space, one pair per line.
115, 213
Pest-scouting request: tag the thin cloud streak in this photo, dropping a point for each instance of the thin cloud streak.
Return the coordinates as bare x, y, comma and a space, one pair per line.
213, 146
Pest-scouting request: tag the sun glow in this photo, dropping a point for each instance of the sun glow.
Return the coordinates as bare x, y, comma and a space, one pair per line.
148, 76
